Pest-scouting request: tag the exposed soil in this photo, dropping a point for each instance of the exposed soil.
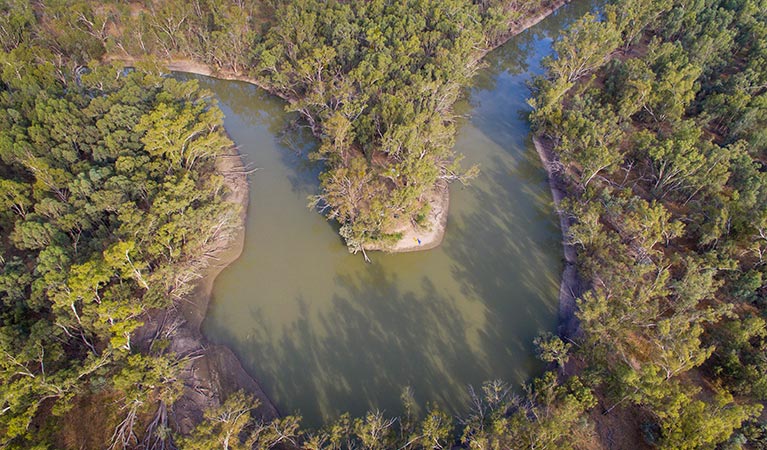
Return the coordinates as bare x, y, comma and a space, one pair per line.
620, 429
214, 372
417, 237
571, 286
89, 424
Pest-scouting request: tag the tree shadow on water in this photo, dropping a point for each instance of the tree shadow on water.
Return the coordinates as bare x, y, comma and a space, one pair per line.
505, 254
376, 333
253, 109
374, 340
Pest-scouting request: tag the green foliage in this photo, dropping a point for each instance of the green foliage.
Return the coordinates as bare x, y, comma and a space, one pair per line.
553, 349
590, 136
222, 426
583, 47
381, 104
16, 23
550, 415
102, 222
108, 199
374, 80
693, 424
740, 356
671, 232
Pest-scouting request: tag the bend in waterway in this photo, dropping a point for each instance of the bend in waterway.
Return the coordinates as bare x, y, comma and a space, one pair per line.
326, 333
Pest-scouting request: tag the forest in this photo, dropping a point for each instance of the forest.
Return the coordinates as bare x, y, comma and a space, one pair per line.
110, 204
653, 109
655, 113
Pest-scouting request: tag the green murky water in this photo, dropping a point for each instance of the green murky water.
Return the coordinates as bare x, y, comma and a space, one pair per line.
324, 332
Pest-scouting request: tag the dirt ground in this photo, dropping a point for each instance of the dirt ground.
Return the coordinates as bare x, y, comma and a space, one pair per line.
215, 372
416, 237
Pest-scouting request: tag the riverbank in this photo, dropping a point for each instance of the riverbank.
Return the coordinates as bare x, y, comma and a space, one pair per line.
219, 371
214, 371
417, 237
570, 287
414, 238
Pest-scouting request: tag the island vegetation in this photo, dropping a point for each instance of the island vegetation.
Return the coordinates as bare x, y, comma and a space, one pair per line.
112, 201
653, 111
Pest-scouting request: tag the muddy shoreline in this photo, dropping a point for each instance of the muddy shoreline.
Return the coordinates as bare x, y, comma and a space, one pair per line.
219, 367
414, 237
417, 238
571, 286
214, 371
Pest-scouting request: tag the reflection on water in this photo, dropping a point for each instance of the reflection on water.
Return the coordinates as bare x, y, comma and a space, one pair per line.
325, 333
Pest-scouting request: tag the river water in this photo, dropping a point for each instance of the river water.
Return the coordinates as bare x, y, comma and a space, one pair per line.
326, 333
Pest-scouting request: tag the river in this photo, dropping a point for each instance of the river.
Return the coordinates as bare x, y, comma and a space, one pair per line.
326, 333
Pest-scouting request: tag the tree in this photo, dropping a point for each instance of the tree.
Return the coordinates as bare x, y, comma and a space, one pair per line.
549, 415
632, 18
552, 349
223, 425
688, 423
583, 47
590, 138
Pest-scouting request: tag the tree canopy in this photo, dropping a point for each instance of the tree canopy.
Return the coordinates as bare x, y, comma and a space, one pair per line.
110, 202
666, 192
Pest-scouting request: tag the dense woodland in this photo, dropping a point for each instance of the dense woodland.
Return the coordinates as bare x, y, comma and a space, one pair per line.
111, 201
656, 112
